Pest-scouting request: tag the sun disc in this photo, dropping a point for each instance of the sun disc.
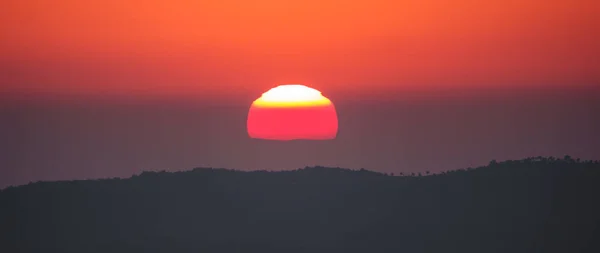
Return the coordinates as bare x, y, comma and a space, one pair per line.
292, 112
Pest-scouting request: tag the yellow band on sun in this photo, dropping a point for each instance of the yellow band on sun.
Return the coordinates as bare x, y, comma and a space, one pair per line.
291, 95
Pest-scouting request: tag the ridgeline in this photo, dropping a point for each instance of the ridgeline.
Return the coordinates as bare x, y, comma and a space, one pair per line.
532, 205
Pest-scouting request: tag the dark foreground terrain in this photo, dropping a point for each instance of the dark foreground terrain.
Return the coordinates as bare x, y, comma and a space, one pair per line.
531, 205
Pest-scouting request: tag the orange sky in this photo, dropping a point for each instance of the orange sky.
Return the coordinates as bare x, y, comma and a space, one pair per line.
211, 48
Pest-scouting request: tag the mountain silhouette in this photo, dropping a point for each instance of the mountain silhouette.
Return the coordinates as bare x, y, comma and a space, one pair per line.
537, 204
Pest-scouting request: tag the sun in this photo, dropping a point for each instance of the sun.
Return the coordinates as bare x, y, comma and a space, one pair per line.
292, 112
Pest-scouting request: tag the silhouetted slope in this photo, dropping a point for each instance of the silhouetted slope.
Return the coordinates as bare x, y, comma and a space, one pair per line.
531, 205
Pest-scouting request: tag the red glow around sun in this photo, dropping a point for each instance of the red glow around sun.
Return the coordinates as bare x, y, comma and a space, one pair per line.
292, 112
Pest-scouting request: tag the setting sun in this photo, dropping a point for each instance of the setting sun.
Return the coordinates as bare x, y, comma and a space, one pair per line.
292, 112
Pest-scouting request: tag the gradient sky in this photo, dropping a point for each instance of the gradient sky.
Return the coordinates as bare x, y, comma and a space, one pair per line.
229, 48
109, 88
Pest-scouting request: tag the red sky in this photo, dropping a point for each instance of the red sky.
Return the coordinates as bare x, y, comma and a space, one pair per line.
229, 52
208, 49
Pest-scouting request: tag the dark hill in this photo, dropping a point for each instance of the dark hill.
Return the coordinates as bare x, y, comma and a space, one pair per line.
531, 205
